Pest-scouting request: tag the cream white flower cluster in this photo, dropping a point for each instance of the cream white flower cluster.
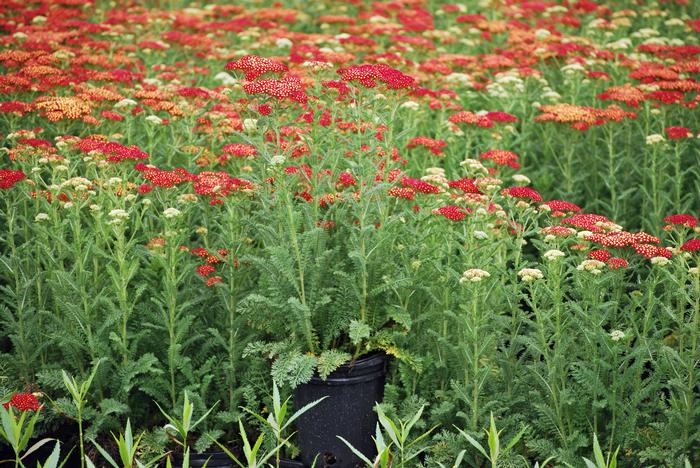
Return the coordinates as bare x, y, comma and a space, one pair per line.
530, 274
592, 266
117, 216
474, 275
553, 254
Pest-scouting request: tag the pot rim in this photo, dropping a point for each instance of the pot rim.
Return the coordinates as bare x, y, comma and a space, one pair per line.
368, 367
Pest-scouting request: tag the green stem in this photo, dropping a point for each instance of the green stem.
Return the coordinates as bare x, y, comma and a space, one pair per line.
308, 329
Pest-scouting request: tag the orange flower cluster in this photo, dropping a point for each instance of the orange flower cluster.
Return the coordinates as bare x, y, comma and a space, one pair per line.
57, 108
582, 117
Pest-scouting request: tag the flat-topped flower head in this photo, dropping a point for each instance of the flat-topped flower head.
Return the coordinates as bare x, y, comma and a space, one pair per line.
255, 66
434, 146
684, 220
502, 157
692, 245
171, 213
553, 254
525, 193
591, 266
678, 133
471, 118
288, 87
617, 335
240, 150
23, 402
560, 207
530, 274
474, 275
8, 178
452, 212
600, 255
369, 74
617, 263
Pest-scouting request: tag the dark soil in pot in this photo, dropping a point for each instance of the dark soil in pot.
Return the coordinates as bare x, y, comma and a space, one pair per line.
211, 459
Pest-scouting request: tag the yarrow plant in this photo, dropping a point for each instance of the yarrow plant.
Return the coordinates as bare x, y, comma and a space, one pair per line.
500, 195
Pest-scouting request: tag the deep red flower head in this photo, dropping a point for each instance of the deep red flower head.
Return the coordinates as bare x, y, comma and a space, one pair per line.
466, 185
113, 151
23, 402
8, 178
369, 73
167, 179
501, 117
205, 270
562, 206
693, 245
600, 255
677, 133
145, 188
214, 280
213, 184
452, 212
35, 142
254, 66
287, 87
522, 192
685, 220
345, 179
200, 252
616, 263
419, 185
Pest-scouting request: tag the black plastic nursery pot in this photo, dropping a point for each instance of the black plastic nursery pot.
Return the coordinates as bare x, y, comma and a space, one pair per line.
209, 459
348, 411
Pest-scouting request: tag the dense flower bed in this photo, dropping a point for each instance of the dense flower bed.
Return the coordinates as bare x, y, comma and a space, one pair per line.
500, 194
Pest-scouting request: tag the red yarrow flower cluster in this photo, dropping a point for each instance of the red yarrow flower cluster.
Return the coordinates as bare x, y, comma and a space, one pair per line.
623, 239
287, 87
693, 245
213, 184
369, 74
240, 150
113, 151
522, 192
471, 118
502, 157
684, 220
8, 178
651, 251
452, 212
205, 270
587, 221
466, 185
255, 66
167, 179
559, 207
678, 133
419, 185
600, 255
407, 193
435, 146
616, 263
345, 179
23, 402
